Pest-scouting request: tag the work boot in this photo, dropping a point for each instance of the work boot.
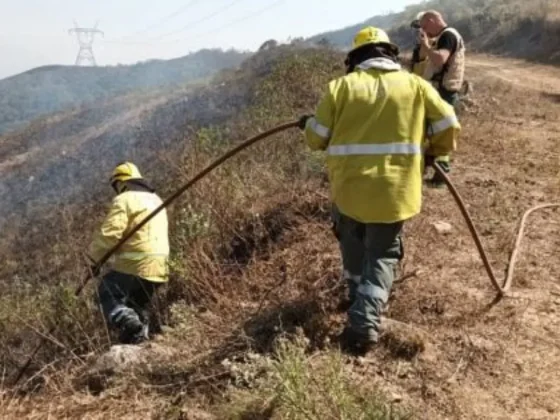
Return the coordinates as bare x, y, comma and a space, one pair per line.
130, 326
133, 334
357, 343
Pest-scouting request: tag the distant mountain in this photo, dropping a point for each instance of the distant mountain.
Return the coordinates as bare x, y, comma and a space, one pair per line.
453, 10
66, 156
50, 89
343, 37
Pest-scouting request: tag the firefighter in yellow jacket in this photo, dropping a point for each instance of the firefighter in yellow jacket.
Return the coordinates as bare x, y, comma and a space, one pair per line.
141, 263
371, 123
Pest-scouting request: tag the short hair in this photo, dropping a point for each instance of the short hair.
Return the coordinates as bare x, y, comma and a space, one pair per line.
431, 14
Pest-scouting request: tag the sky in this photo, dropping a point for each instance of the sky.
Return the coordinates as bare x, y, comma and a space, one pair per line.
35, 32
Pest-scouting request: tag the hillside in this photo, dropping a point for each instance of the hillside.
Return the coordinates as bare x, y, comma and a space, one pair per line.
46, 90
507, 27
41, 163
343, 37
453, 10
252, 311
65, 158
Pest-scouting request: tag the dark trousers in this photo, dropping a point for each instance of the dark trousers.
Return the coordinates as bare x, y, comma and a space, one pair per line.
125, 300
370, 253
452, 98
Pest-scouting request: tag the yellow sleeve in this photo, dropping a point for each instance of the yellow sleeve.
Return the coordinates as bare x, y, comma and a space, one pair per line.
112, 229
419, 67
443, 126
318, 130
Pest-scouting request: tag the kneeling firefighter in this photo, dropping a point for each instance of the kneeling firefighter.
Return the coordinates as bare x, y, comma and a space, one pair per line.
141, 263
371, 123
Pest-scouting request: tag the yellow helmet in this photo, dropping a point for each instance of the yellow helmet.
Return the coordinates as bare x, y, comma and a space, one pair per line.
125, 171
372, 35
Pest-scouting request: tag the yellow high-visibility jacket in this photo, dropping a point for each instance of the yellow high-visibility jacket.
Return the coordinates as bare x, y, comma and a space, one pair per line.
146, 253
419, 67
372, 123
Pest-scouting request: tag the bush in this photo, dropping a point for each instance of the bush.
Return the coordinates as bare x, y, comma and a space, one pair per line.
300, 388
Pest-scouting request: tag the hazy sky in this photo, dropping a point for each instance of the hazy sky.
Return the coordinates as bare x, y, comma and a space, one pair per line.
35, 32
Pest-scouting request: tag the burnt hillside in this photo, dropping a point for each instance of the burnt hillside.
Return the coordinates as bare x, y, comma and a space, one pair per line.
49, 89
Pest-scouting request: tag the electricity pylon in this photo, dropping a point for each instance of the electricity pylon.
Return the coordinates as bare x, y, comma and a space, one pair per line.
85, 38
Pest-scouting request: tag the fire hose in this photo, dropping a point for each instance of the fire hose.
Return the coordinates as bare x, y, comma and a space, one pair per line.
501, 289
149, 217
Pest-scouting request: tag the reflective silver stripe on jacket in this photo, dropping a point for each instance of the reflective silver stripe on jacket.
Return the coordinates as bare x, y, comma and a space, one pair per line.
319, 129
375, 149
137, 256
444, 124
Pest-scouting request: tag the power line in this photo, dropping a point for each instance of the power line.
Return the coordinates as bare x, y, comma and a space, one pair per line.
235, 22
165, 19
182, 29
219, 29
204, 19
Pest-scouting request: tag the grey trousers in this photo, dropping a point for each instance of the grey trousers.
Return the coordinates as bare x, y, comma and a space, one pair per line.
370, 253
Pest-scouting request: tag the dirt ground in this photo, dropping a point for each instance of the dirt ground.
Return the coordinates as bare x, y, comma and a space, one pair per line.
480, 359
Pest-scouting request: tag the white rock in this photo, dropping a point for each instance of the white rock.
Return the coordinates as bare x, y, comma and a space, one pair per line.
396, 398
442, 228
120, 357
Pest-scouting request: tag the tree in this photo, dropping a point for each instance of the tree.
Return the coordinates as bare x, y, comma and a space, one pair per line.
324, 42
267, 45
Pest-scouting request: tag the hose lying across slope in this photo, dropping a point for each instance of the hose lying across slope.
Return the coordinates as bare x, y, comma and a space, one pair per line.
502, 290
166, 203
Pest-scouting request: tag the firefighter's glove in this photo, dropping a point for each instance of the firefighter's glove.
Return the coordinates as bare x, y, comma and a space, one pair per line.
303, 121
429, 160
444, 165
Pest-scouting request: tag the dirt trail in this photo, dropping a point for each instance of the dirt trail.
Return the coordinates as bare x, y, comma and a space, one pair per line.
490, 361
545, 79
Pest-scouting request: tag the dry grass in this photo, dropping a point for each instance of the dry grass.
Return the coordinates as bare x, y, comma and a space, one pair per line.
255, 263
221, 227
299, 387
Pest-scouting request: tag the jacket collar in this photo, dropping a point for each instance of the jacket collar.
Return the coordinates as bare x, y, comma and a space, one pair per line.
379, 64
138, 185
